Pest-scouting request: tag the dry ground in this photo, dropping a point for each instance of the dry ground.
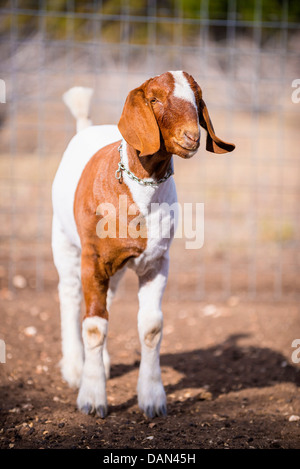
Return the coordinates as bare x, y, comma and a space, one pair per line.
226, 367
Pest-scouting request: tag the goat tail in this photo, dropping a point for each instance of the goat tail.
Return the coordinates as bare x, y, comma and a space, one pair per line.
78, 100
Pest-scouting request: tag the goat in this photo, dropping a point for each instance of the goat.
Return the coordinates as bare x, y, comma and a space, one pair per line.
104, 163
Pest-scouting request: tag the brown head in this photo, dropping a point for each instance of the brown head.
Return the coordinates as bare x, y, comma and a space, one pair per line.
166, 113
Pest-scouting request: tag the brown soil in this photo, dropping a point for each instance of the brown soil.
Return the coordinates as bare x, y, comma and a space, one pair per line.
227, 370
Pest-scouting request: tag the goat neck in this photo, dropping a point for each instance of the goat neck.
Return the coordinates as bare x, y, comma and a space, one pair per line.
150, 166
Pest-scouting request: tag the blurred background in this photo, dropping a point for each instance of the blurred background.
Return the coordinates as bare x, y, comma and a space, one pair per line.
244, 55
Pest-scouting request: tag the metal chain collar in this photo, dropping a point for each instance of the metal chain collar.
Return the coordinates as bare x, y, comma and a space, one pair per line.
132, 176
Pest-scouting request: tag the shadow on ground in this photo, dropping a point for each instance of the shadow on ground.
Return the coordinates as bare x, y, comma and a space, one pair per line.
224, 368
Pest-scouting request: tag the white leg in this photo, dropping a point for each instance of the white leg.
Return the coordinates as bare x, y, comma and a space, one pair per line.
92, 393
151, 394
67, 261
106, 360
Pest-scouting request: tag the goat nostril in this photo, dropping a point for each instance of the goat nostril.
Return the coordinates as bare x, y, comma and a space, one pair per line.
193, 136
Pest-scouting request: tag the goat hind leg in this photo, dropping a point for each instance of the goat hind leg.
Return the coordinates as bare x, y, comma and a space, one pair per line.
67, 261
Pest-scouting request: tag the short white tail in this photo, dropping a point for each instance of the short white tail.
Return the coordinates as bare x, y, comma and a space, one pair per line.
78, 100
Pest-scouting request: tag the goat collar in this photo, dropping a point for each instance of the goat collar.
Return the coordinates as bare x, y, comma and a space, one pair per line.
143, 182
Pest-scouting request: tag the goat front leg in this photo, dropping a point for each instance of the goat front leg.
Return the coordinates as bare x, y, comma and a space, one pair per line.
92, 392
151, 393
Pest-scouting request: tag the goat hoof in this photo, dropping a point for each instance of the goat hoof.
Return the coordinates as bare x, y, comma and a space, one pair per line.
152, 411
87, 409
101, 411
162, 411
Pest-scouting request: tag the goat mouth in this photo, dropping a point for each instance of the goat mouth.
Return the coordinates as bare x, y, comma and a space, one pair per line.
189, 151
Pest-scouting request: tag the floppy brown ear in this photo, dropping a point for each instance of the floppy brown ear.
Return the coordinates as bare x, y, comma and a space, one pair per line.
213, 143
138, 124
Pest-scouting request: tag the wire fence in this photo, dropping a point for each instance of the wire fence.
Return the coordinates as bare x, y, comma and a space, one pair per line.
245, 67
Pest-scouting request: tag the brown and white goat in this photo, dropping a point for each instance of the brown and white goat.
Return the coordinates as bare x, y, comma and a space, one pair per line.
161, 118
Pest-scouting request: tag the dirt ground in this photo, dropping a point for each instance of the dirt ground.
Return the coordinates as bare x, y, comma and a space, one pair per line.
227, 369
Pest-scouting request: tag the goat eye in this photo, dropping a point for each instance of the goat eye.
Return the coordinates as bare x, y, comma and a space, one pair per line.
153, 100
